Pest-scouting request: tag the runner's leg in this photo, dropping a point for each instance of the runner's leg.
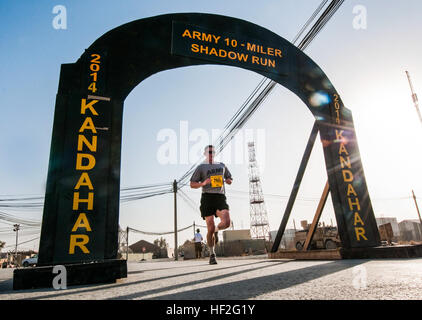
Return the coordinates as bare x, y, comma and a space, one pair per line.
211, 228
210, 238
224, 216
224, 222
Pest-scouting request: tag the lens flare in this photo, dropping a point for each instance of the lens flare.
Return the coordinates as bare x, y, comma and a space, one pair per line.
319, 99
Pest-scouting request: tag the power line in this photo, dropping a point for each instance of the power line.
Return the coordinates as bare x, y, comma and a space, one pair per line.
306, 25
236, 122
188, 200
230, 129
321, 22
10, 218
157, 233
12, 245
127, 192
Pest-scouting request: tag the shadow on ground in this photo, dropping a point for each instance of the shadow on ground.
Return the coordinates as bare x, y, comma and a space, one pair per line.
7, 288
241, 289
248, 288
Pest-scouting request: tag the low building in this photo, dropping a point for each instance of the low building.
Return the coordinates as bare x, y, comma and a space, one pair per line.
410, 230
156, 251
288, 239
233, 235
241, 247
239, 243
234, 243
187, 250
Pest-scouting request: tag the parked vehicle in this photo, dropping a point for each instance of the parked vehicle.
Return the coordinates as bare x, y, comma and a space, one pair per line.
30, 261
386, 234
324, 238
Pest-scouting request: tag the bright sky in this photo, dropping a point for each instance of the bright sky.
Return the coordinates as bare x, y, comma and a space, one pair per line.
366, 66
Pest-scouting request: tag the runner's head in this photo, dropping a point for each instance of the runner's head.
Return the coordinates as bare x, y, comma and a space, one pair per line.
209, 153
197, 230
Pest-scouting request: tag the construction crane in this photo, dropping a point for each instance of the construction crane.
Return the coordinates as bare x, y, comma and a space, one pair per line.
414, 97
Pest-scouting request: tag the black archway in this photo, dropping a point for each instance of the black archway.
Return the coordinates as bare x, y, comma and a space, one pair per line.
80, 220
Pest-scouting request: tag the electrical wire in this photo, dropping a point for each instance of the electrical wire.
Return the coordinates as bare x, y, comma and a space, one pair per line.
306, 25
238, 120
235, 124
188, 200
127, 194
14, 245
158, 233
7, 217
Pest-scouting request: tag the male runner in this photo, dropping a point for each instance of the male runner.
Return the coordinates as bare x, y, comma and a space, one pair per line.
211, 176
198, 244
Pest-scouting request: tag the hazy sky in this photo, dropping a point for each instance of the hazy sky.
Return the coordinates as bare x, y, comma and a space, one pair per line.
366, 66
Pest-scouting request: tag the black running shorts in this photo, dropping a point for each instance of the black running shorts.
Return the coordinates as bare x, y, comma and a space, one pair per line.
211, 202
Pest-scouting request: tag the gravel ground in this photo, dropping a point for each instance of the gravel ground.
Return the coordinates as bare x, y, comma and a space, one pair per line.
250, 278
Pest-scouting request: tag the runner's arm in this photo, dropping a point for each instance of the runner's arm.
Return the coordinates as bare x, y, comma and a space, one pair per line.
196, 185
227, 176
195, 180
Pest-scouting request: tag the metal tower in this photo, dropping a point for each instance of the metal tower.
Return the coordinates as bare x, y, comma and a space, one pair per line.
260, 228
414, 97
123, 242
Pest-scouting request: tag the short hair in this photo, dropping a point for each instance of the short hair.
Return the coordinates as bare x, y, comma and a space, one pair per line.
209, 147
197, 230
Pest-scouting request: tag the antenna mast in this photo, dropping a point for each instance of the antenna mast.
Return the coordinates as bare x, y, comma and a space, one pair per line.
259, 219
414, 97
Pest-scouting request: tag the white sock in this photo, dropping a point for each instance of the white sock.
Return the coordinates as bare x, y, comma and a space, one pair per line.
212, 250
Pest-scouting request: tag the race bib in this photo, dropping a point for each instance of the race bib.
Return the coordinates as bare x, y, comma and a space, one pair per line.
216, 181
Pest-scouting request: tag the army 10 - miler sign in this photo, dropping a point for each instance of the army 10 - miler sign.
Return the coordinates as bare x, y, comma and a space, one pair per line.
81, 211
227, 48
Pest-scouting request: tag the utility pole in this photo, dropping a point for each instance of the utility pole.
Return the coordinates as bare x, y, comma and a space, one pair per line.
194, 229
175, 219
127, 243
417, 208
414, 97
16, 229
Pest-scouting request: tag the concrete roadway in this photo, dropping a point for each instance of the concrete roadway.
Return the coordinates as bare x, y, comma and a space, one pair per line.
247, 278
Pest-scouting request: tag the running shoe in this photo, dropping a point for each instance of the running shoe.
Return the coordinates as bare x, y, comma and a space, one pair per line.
212, 259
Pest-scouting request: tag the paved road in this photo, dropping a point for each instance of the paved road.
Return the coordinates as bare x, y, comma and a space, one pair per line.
250, 278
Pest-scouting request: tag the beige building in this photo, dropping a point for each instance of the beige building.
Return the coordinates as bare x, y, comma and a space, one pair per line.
233, 235
410, 230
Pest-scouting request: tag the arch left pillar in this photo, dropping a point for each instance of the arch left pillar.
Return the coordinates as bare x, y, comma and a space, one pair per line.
81, 208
